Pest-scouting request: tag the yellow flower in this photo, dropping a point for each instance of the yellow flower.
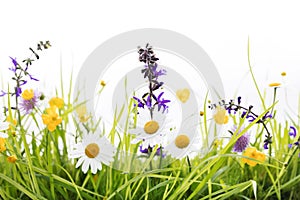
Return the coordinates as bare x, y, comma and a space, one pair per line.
274, 84
283, 73
251, 152
12, 159
82, 113
183, 95
2, 145
12, 122
102, 83
28, 94
51, 118
220, 117
58, 102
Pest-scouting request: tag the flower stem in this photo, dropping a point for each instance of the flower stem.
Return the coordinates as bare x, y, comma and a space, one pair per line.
189, 163
50, 168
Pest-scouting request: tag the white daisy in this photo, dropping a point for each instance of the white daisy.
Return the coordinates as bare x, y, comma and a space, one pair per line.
150, 131
186, 142
93, 151
3, 126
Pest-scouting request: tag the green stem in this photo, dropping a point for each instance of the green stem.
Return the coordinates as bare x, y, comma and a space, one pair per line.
253, 78
50, 167
189, 163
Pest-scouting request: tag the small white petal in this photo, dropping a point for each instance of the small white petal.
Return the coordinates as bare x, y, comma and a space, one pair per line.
79, 162
85, 166
93, 167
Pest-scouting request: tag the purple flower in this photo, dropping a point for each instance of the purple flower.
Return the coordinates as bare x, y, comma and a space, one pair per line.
266, 145
18, 91
28, 105
3, 93
140, 103
290, 146
158, 151
161, 102
293, 131
32, 78
148, 102
23, 82
243, 141
267, 115
156, 73
15, 63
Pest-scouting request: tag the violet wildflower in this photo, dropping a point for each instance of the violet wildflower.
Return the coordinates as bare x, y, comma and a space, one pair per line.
3, 93
15, 63
233, 108
243, 141
293, 131
161, 102
140, 103
149, 150
29, 100
151, 72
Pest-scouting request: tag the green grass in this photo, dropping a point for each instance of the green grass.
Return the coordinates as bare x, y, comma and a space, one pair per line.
44, 171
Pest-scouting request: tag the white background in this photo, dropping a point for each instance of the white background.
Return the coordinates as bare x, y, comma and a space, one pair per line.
221, 28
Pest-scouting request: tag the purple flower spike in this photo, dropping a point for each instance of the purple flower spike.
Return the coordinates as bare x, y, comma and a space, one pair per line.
293, 131
290, 146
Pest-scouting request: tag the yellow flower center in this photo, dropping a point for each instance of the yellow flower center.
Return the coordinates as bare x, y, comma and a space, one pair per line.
92, 150
283, 73
274, 84
151, 127
28, 94
182, 141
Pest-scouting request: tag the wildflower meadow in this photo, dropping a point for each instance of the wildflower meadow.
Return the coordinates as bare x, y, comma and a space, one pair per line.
160, 140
